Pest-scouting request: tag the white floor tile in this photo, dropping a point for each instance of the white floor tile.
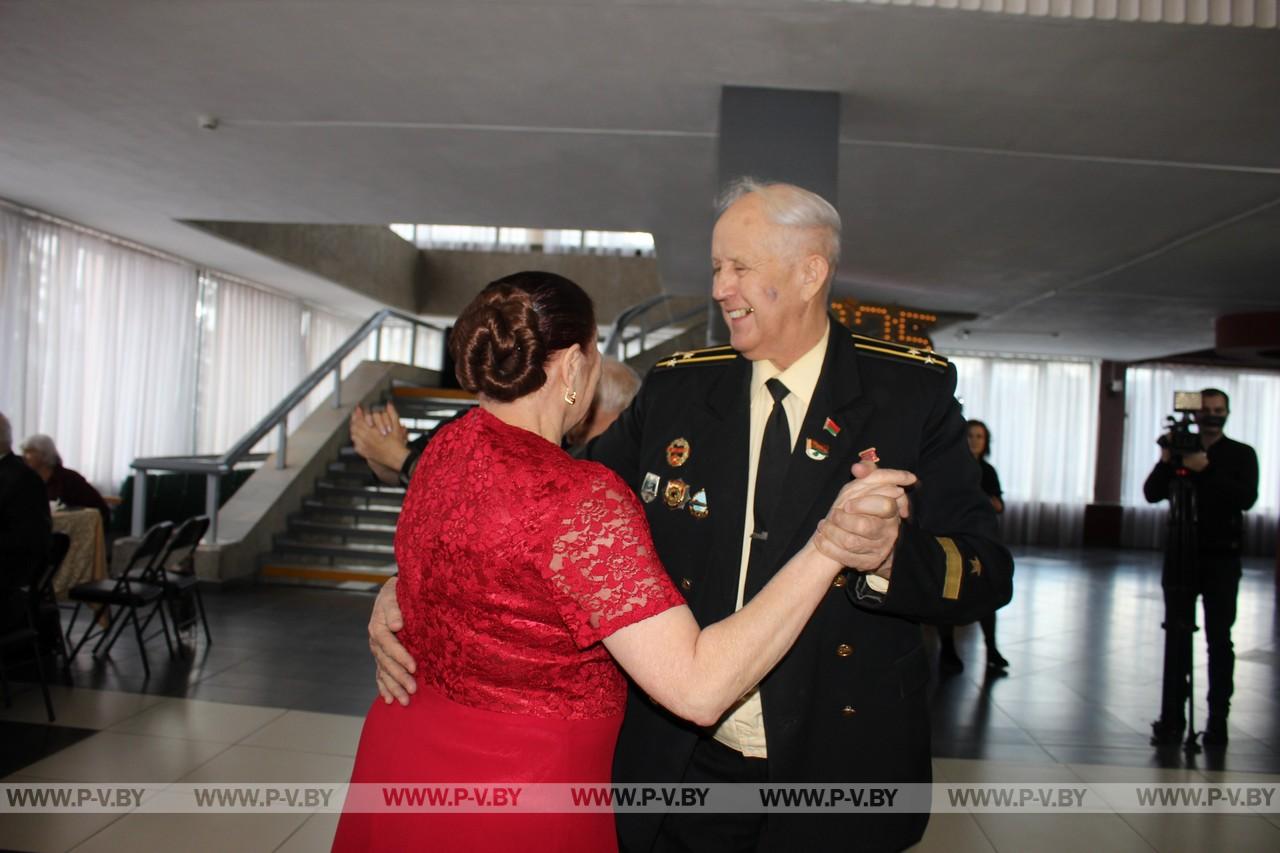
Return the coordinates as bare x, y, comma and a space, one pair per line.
241, 763
314, 835
307, 731
953, 833
194, 833
191, 718
966, 770
1193, 833
119, 757
78, 707
1051, 833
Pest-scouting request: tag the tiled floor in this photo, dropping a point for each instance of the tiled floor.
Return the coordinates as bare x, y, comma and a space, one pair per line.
279, 696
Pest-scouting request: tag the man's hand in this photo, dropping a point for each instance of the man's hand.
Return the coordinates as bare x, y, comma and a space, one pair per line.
380, 438
1197, 461
395, 665
861, 529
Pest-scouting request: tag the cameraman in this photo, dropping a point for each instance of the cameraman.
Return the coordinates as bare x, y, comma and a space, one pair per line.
1224, 477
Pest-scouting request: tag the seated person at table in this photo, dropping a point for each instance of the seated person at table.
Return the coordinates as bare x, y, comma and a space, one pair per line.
24, 529
60, 483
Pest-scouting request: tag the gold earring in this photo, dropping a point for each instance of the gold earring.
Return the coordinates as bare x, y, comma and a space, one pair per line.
570, 396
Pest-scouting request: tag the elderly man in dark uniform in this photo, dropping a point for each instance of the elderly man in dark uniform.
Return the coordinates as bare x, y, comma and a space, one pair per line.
737, 451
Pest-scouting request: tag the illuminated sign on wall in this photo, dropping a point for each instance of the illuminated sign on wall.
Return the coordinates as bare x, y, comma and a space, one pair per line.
886, 322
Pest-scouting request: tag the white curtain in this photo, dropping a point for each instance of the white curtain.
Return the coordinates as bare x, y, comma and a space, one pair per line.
1043, 417
252, 355
98, 347
1254, 419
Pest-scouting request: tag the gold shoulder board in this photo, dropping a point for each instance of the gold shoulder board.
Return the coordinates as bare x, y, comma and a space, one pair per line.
888, 349
707, 355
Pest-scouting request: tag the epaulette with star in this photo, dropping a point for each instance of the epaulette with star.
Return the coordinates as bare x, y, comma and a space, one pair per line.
706, 355
878, 348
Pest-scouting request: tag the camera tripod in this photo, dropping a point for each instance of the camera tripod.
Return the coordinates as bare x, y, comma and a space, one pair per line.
1181, 585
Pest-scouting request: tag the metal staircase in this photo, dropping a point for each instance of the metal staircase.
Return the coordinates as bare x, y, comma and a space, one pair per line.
343, 535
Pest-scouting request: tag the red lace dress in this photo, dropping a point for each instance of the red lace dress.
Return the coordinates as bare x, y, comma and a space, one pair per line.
515, 561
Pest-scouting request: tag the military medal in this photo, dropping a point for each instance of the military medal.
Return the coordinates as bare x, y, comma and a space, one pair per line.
676, 493
869, 456
698, 504
816, 450
649, 490
678, 452
831, 427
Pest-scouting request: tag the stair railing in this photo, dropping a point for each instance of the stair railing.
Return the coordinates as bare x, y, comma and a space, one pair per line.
619, 338
214, 467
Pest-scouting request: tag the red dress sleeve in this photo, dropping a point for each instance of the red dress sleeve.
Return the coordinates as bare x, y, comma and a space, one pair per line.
604, 572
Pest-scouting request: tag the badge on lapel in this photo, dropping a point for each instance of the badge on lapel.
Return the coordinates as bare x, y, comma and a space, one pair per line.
676, 494
816, 450
678, 452
831, 427
869, 456
698, 504
649, 489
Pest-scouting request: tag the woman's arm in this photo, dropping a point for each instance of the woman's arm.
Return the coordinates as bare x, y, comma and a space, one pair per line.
700, 673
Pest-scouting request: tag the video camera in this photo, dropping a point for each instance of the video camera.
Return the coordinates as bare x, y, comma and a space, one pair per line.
1180, 439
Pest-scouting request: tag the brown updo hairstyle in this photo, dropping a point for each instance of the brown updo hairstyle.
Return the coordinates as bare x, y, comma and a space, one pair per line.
502, 340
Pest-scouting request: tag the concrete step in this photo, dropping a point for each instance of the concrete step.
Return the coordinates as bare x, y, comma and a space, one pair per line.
340, 494
290, 572
318, 553
318, 510
303, 528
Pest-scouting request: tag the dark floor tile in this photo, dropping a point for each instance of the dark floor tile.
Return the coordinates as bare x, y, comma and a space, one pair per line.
22, 744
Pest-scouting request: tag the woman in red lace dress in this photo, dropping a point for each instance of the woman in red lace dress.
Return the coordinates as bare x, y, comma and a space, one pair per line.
526, 577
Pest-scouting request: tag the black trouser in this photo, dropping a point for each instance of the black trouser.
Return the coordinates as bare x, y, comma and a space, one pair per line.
696, 832
947, 633
1217, 580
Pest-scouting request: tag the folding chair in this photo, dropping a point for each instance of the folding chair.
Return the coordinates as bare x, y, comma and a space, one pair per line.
21, 637
44, 601
123, 597
175, 572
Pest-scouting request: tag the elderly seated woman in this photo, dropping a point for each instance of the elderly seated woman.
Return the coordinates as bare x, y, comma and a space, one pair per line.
61, 483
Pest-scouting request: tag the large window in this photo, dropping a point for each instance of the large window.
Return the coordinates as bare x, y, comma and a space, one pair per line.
549, 240
1043, 420
119, 353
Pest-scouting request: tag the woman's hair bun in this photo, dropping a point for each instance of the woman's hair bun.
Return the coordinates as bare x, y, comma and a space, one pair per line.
502, 340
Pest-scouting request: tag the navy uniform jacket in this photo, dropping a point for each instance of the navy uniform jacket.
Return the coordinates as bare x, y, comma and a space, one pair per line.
847, 704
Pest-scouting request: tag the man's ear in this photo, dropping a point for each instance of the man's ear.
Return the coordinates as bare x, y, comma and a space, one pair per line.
814, 270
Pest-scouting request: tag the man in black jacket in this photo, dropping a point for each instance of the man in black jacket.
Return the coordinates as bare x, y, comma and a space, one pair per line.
1224, 477
847, 704
25, 526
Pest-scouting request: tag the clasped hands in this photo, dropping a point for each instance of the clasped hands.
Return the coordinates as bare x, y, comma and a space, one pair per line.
380, 438
861, 530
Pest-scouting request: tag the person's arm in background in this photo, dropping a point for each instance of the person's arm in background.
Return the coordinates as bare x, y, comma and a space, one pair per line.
991, 485
1156, 487
1233, 480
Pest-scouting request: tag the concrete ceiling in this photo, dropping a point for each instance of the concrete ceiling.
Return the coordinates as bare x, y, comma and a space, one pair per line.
1085, 187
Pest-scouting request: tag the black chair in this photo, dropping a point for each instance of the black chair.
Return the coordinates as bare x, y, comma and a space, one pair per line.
175, 573
124, 596
46, 613
24, 636
30, 601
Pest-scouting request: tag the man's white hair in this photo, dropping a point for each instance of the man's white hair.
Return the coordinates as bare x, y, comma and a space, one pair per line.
45, 448
6, 434
792, 206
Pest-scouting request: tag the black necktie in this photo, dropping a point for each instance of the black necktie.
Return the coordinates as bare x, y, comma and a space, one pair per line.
775, 452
